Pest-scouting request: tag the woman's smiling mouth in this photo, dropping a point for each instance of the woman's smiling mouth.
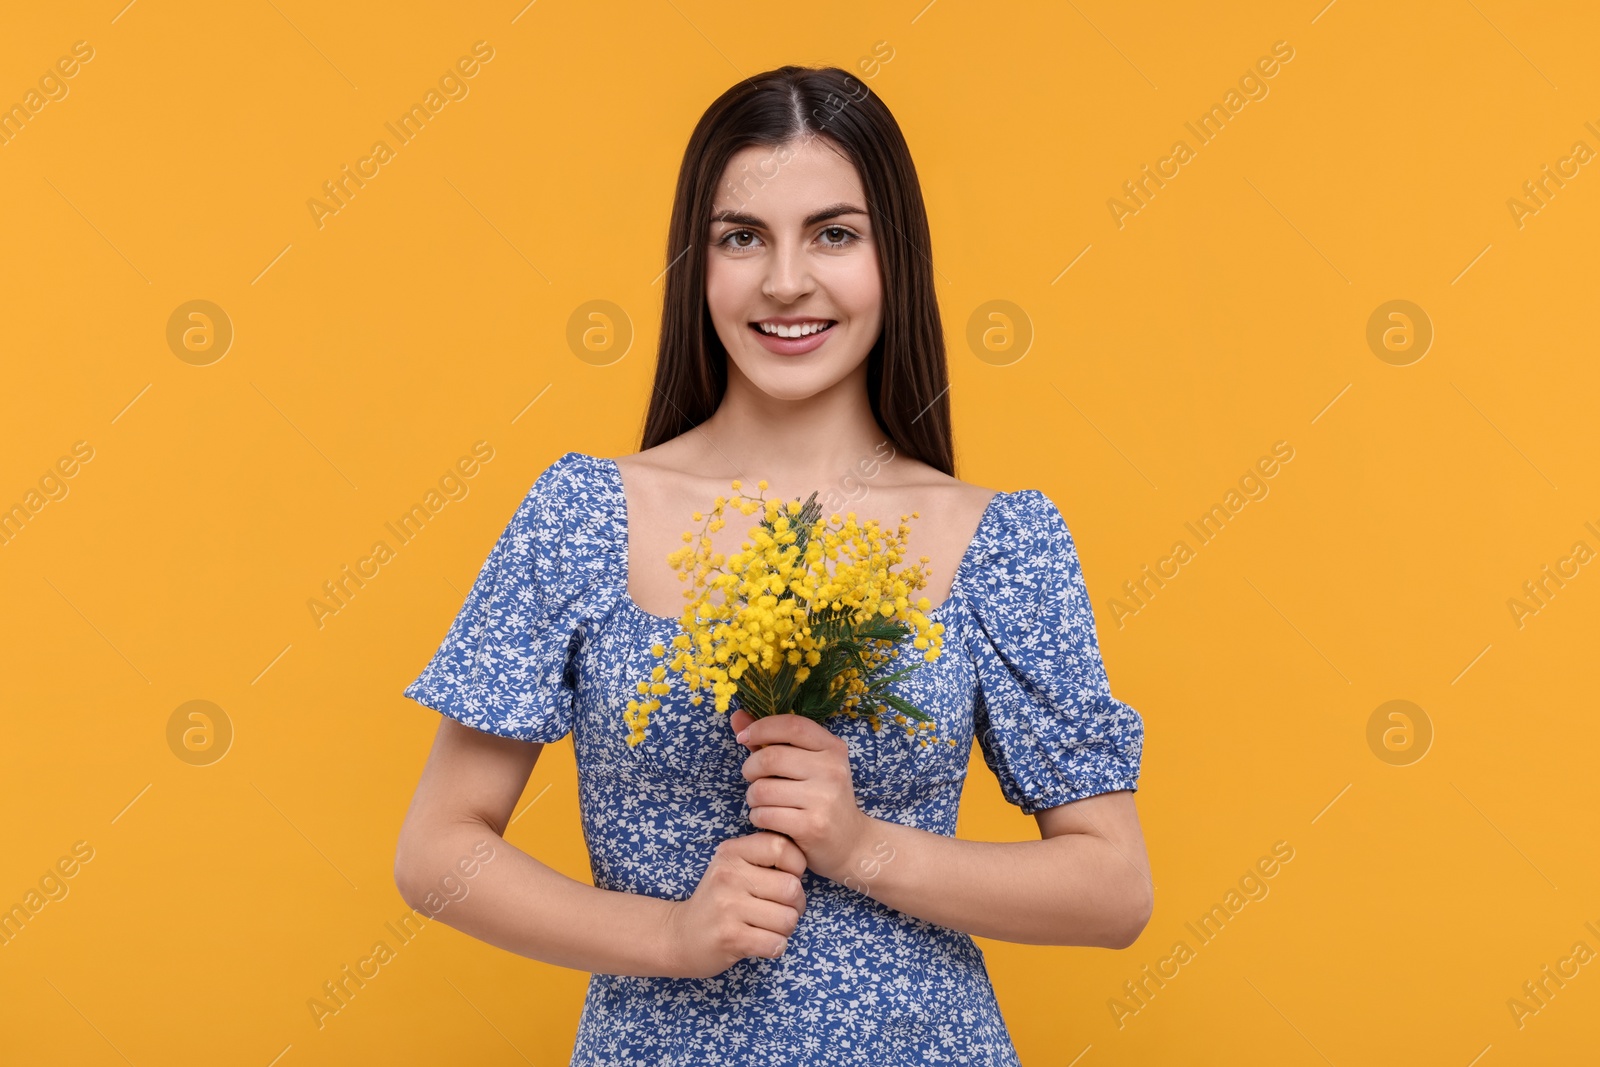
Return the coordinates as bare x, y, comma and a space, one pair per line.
790, 336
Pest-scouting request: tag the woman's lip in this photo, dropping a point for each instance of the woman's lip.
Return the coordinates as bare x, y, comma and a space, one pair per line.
792, 346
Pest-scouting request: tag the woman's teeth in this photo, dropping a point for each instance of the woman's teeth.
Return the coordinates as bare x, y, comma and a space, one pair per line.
798, 330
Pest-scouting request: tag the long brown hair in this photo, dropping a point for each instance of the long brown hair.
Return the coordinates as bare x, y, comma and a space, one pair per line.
907, 376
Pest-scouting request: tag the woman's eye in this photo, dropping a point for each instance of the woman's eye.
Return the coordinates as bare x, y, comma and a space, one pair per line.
832, 237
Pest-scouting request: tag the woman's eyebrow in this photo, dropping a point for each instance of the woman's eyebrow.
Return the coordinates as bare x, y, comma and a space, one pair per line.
831, 212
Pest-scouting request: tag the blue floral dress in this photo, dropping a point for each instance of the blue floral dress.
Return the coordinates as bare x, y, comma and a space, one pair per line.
549, 642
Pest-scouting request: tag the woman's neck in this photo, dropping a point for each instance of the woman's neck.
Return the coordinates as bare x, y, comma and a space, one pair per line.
805, 441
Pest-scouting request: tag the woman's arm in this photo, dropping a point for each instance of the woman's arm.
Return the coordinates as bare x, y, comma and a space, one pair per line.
468, 790
1087, 882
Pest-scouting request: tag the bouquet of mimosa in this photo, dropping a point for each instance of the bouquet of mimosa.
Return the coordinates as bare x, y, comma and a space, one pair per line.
800, 621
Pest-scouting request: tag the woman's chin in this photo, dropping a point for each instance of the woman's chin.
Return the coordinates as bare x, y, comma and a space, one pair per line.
789, 390
795, 377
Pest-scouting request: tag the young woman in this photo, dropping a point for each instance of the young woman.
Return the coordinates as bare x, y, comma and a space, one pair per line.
778, 891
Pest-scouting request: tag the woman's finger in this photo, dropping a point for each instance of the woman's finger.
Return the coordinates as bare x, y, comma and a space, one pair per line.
774, 792
789, 729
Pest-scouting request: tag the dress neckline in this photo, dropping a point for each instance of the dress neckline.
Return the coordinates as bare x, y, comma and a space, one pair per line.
620, 503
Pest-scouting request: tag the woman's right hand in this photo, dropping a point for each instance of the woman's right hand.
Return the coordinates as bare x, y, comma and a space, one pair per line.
748, 902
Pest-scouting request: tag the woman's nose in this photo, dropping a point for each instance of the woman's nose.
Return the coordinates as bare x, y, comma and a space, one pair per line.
788, 274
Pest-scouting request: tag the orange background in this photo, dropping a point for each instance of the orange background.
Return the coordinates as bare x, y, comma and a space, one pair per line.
1228, 313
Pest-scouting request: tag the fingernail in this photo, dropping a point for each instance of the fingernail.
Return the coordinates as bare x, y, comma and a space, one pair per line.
744, 735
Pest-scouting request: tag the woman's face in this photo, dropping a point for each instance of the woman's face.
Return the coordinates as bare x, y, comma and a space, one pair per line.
791, 247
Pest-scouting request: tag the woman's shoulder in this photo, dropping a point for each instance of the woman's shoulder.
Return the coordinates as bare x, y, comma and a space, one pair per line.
575, 486
672, 478
670, 457
1022, 543
1004, 513
572, 468
573, 509
912, 478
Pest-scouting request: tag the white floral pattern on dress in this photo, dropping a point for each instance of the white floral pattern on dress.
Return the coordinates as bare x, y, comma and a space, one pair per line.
549, 642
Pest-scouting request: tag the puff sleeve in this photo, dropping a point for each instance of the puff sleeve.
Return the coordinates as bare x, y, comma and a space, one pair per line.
506, 665
1044, 715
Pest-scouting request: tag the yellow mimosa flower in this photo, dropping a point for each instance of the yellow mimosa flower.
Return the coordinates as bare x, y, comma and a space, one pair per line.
800, 620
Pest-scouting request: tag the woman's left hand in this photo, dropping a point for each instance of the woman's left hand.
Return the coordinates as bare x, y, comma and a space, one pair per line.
800, 785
